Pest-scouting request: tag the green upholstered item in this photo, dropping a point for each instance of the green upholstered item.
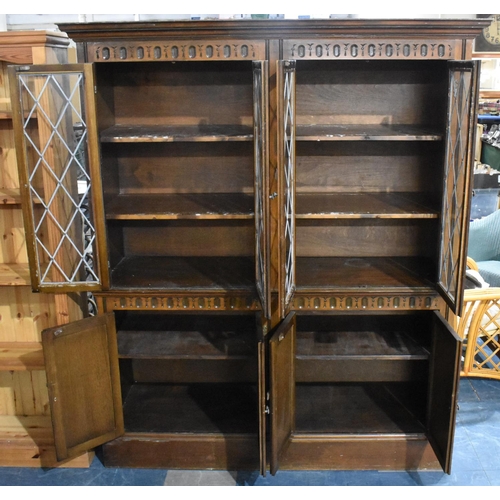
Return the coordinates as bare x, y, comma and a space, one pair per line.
484, 247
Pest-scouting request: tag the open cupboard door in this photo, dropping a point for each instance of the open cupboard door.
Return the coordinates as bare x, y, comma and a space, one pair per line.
459, 156
81, 359
443, 388
282, 389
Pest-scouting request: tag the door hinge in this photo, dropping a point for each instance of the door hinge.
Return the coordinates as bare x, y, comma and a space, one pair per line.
267, 410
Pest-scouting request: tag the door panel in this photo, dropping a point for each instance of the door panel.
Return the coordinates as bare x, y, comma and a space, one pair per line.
261, 159
286, 162
282, 388
462, 95
262, 356
83, 378
444, 379
57, 149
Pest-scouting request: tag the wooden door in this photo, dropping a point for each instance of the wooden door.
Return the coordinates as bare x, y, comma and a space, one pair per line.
282, 389
261, 162
286, 163
459, 156
443, 388
81, 360
57, 152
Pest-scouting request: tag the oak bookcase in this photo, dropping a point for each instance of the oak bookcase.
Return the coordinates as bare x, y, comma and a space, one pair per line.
272, 216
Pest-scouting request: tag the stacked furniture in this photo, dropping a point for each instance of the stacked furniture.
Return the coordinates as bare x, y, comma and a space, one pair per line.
26, 437
271, 216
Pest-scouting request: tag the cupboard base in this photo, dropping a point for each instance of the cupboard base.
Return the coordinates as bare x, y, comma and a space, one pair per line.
320, 452
183, 451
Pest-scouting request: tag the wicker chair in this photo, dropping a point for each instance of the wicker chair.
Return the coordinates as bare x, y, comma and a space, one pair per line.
484, 247
479, 327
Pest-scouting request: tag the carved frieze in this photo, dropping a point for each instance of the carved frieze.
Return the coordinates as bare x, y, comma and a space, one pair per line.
176, 50
179, 303
354, 302
371, 48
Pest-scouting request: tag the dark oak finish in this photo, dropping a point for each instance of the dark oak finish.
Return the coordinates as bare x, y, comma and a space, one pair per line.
363, 206
83, 381
373, 167
204, 408
366, 238
369, 132
442, 404
180, 206
183, 451
192, 133
185, 273
352, 408
282, 389
185, 344
320, 273
382, 452
368, 355
175, 168
301, 170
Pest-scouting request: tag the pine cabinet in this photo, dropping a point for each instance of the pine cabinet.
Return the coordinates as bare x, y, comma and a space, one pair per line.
272, 216
25, 424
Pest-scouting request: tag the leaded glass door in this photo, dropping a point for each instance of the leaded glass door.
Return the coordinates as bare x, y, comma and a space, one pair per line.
286, 159
57, 148
261, 160
462, 92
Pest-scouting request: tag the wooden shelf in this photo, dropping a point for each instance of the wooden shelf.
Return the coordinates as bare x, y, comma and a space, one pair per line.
186, 337
181, 206
489, 94
352, 409
188, 133
5, 115
359, 356
197, 408
10, 196
334, 345
14, 275
185, 273
17, 356
366, 133
28, 441
334, 273
362, 206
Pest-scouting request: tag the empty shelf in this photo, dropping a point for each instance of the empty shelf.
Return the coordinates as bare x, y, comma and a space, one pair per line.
366, 133
197, 408
363, 206
21, 356
14, 274
181, 206
171, 133
313, 273
191, 273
